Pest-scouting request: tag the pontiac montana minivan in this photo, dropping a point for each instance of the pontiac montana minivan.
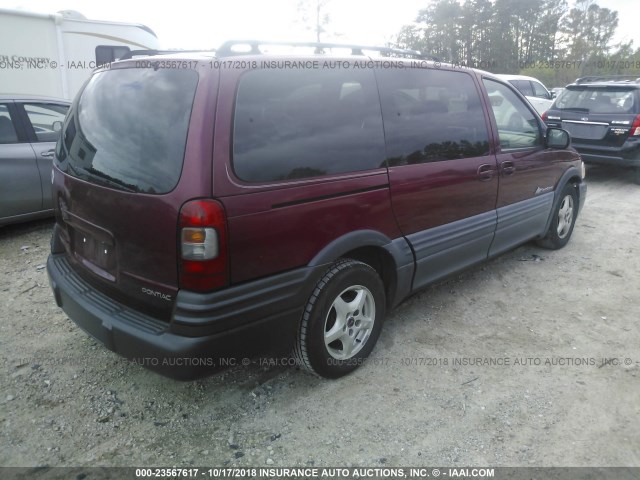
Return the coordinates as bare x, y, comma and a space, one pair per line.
214, 207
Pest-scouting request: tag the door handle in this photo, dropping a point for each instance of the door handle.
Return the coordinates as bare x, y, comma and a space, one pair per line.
485, 172
508, 168
48, 153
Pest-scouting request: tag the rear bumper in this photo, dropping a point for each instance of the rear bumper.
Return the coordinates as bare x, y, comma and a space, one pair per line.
626, 156
207, 331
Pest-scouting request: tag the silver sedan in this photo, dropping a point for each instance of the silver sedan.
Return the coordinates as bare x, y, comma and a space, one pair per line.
29, 129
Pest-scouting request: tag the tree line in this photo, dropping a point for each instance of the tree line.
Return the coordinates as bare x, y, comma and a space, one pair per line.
546, 39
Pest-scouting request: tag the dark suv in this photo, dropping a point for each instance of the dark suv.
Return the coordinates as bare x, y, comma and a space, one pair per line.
602, 114
210, 208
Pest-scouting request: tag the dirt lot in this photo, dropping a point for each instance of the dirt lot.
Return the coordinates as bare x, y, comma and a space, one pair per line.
499, 366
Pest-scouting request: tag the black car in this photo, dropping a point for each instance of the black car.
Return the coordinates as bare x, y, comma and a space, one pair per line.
602, 114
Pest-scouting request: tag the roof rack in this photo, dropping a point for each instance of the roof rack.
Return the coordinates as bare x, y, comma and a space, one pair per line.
226, 49
609, 78
151, 53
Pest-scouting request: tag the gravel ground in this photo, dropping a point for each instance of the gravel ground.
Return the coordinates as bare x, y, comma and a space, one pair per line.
499, 366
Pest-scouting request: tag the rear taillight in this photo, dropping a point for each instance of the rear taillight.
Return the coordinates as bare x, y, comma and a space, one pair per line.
203, 246
544, 116
635, 128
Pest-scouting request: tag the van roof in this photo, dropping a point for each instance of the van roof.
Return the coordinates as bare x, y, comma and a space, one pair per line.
240, 47
20, 97
506, 76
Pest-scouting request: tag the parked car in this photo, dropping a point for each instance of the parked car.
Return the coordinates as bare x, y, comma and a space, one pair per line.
207, 213
29, 128
603, 116
533, 89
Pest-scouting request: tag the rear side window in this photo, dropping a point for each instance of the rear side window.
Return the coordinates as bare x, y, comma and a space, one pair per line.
524, 86
599, 100
292, 124
431, 115
539, 90
7, 130
130, 129
44, 118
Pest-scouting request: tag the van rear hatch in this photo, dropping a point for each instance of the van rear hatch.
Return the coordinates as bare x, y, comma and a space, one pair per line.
129, 161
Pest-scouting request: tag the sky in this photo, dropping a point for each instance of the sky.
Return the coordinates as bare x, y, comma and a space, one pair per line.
191, 24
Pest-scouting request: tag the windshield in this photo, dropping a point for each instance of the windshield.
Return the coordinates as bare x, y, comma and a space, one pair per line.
129, 129
592, 99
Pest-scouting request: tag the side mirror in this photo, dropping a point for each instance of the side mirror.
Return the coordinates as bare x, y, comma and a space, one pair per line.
553, 95
57, 126
557, 138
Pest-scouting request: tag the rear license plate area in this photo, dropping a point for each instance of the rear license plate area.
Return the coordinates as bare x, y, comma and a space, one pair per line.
97, 255
589, 132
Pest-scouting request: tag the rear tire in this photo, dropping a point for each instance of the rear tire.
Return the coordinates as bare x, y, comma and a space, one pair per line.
636, 175
563, 220
342, 320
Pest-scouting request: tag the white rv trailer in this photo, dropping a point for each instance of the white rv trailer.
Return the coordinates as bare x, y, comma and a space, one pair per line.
53, 54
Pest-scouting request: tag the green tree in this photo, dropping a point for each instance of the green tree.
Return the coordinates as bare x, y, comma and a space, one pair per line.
500, 32
443, 36
587, 31
477, 31
314, 16
543, 38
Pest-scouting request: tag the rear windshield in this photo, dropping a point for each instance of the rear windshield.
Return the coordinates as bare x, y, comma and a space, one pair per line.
592, 99
129, 129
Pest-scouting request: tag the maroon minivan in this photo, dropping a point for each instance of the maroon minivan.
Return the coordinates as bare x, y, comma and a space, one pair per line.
211, 208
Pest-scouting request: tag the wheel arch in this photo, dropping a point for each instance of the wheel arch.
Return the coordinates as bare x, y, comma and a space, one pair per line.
391, 259
571, 177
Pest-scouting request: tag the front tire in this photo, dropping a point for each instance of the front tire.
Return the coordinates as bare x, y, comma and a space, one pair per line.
342, 320
563, 221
